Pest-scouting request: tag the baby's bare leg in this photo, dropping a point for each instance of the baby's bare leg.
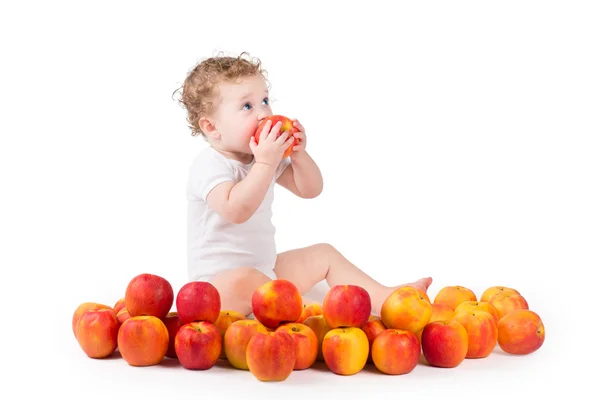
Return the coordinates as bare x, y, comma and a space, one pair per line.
307, 266
236, 287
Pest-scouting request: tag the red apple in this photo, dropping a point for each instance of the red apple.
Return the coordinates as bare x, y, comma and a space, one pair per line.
149, 295
287, 125
306, 343
396, 351
198, 301
277, 302
198, 345
97, 331
444, 343
271, 356
173, 324
346, 306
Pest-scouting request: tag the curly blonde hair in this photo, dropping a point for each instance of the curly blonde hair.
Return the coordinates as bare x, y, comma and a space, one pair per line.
198, 89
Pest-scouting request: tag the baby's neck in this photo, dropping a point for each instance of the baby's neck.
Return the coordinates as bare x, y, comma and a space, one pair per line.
241, 157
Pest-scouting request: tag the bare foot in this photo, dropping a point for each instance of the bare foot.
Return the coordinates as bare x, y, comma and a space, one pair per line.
422, 284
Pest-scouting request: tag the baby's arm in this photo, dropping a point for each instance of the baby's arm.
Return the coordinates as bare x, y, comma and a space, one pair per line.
238, 202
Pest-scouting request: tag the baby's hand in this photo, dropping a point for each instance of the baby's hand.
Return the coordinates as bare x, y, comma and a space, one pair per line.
270, 148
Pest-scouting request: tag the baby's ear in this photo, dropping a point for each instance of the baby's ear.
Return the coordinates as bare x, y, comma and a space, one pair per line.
208, 127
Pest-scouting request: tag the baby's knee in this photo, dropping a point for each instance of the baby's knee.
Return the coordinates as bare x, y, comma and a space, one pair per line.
325, 248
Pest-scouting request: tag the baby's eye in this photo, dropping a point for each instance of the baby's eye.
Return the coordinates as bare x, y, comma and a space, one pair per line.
247, 106
266, 100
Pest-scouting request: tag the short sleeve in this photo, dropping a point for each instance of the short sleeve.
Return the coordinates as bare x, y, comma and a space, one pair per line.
207, 172
282, 166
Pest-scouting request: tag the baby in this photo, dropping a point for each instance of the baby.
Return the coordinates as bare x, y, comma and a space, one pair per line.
231, 238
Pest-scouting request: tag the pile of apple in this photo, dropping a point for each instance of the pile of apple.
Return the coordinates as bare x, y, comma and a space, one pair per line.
287, 335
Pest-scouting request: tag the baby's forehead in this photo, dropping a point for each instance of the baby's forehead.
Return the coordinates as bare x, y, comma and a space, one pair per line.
241, 88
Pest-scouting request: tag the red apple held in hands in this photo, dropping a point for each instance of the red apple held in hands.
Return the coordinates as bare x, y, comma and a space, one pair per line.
271, 356
198, 345
97, 331
150, 295
346, 306
198, 301
287, 125
277, 302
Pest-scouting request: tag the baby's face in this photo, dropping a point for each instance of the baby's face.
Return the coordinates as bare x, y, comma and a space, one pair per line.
242, 105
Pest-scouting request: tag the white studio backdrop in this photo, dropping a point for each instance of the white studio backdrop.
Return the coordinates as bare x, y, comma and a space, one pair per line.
458, 140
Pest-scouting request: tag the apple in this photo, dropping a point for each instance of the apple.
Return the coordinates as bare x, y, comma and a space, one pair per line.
310, 310
276, 302
346, 306
173, 324
396, 351
198, 345
271, 356
122, 315
345, 350
406, 308
143, 340
478, 305
82, 309
198, 301
119, 305
96, 332
372, 328
225, 319
150, 295
441, 312
236, 340
521, 332
454, 295
482, 331
319, 326
286, 125
306, 343
493, 290
505, 303
444, 343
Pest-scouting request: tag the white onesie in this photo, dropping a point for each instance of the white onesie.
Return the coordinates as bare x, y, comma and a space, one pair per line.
214, 244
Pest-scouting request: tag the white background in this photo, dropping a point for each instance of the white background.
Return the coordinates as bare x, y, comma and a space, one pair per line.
458, 140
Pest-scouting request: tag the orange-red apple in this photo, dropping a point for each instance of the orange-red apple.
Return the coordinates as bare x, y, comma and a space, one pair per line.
97, 331
319, 326
345, 350
172, 322
286, 125
454, 295
225, 319
444, 343
198, 345
119, 305
236, 340
198, 301
505, 303
493, 290
441, 312
277, 302
396, 351
150, 295
82, 309
310, 310
346, 306
122, 315
482, 331
306, 343
143, 340
271, 356
521, 332
372, 328
478, 305
406, 308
